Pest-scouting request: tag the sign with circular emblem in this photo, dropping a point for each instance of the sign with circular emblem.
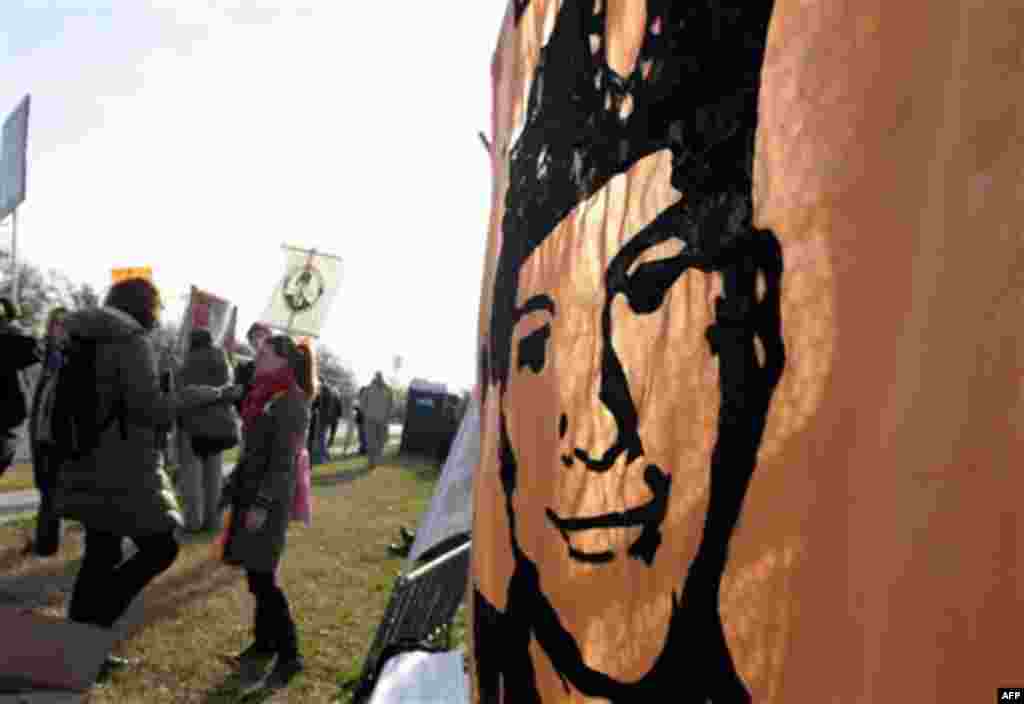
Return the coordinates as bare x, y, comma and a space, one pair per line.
302, 289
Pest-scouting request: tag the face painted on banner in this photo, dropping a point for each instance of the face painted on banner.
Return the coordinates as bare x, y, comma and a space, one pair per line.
605, 420
582, 370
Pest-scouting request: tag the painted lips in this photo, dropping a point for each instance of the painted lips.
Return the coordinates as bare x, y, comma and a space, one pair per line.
649, 515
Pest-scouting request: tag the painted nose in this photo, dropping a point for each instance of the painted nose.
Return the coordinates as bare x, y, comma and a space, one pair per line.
563, 428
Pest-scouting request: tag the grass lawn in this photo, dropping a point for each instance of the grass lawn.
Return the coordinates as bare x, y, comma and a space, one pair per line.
337, 575
18, 477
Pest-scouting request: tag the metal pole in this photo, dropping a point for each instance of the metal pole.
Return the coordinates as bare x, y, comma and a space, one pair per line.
14, 256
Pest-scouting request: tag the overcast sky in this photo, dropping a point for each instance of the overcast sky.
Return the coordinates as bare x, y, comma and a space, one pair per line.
198, 136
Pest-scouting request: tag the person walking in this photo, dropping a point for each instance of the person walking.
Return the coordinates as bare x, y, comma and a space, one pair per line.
376, 402
337, 411
20, 351
313, 436
325, 404
119, 488
44, 469
275, 419
200, 473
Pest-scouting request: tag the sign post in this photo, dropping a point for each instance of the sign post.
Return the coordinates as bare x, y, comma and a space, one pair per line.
12, 178
14, 256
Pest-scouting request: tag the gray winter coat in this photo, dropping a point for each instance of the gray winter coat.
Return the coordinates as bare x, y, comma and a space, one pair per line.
266, 476
377, 401
207, 367
122, 487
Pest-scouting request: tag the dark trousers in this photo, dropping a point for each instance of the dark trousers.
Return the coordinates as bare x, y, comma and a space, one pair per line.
275, 629
362, 437
106, 585
47, 522
313, 440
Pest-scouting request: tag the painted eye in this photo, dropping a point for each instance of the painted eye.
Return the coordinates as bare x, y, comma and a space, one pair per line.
651, 281
533, 348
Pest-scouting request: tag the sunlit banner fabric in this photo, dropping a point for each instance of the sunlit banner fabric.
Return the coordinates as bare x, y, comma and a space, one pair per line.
750, 343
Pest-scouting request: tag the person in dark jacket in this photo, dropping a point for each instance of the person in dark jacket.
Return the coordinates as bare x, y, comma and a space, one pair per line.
336, 412
120, 489
20, 351
360, 422
200, 475
313, 435
275, 419
323, 407
47, 537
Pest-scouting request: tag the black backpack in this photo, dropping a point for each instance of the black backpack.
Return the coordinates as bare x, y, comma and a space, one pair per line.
67, 421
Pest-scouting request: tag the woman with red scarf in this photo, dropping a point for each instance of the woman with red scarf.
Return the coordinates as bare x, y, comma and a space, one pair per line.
275, 416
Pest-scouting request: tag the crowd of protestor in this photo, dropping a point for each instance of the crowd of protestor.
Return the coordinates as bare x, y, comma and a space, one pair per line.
105, 414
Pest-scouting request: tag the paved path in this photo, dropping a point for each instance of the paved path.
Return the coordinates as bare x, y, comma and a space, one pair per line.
14, 504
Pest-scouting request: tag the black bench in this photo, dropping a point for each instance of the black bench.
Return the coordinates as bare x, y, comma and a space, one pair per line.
419, 614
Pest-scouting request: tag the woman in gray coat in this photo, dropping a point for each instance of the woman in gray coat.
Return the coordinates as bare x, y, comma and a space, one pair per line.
275, 416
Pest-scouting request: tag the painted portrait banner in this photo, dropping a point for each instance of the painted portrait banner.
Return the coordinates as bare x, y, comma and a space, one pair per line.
750, 354
303, 296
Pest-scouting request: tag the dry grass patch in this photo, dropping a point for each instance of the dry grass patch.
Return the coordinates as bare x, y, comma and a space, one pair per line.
337, 575
18, 477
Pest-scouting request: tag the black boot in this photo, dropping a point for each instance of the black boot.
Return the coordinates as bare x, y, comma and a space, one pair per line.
285, 670
289, 661
253, 667
254, 662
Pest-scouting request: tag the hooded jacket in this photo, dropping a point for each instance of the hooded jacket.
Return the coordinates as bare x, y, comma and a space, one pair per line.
122, 487
17, 351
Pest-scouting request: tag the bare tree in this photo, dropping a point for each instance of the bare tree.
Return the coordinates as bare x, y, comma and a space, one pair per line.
41, 291
337, 373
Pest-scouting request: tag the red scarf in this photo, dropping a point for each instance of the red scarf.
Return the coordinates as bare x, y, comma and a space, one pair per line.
263, 389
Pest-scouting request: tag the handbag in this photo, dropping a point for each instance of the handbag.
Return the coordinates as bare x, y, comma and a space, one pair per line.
213, 429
